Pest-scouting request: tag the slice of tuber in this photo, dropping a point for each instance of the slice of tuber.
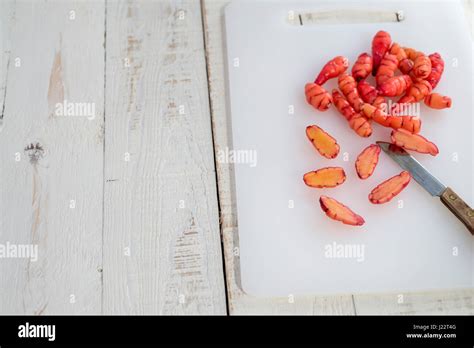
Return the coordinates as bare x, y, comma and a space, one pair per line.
339, 212
384, 192
415, 142
325, 177
326, 145
367, 161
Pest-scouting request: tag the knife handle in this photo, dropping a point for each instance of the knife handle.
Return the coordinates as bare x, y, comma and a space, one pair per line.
459, 208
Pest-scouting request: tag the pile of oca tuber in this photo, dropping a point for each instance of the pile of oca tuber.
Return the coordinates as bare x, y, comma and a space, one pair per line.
399, 72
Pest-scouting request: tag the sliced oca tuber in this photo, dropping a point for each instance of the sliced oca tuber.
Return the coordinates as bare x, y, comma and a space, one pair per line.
437, 101
395, 86
325, 177
339, 212
367, 92
333, 68
362, 67
410, 123
356, 121
380, 45
437, 68
348, 87
415, 142
388, 67
317, 96
367, 161
384, 192
326, 145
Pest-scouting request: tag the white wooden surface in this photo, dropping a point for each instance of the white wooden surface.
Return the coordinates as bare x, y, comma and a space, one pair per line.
6, 18
143, 237
160, 207
148, 226
50, 61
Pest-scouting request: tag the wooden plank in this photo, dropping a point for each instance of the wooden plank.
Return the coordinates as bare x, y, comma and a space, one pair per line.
51, 192
443, 303
6, 20
241, 303
161, 230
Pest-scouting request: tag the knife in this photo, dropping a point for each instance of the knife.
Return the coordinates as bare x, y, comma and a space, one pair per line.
449, 198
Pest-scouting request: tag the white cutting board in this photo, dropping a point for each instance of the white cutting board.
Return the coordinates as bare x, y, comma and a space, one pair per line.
283, 249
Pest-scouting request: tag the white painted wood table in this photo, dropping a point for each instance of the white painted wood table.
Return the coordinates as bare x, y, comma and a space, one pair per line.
111, 115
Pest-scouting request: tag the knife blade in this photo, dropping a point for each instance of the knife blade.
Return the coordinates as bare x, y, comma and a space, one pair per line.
430, 183
417, 171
